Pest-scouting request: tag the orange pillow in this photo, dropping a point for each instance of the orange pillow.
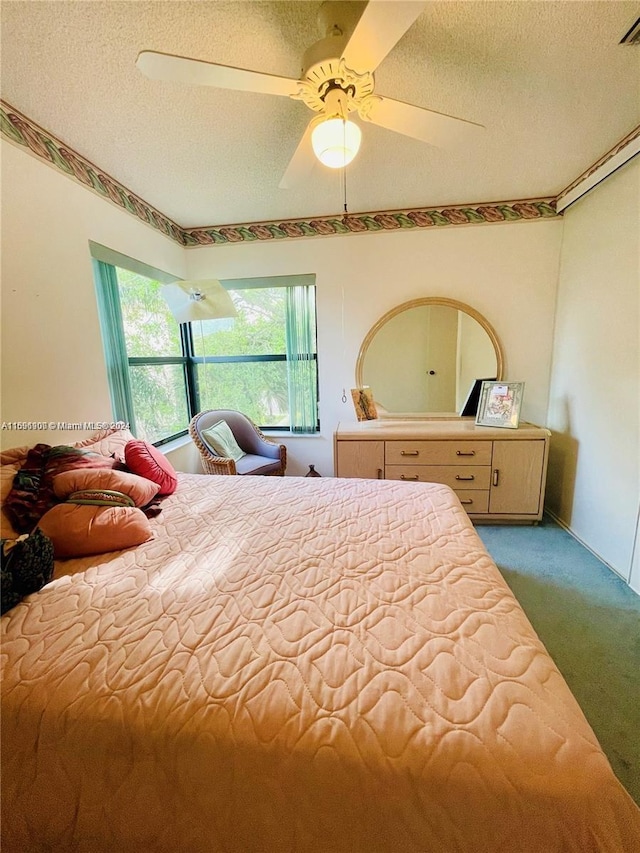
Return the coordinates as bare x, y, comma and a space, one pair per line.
145, 460
138, 488
78, 530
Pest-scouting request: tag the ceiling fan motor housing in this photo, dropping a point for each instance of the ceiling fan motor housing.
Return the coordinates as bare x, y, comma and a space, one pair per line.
323, 52
323, 70
329, 75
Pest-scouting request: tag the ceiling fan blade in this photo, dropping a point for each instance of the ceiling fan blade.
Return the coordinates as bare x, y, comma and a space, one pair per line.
426, 125
380, 28
180, 69
302, 162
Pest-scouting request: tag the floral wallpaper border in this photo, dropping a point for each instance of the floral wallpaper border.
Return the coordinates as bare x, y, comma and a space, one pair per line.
604, 159
391, 220
20, 130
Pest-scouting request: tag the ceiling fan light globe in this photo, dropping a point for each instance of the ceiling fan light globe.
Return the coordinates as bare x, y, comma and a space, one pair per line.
336, 142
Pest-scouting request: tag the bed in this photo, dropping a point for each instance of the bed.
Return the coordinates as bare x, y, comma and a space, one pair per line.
295, 665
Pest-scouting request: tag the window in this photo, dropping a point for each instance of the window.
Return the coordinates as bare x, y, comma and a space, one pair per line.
262, 362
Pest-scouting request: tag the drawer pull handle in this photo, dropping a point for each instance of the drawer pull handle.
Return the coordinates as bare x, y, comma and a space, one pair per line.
496, 476
460, 477
409, 453
467, 501
465, 453
405, 477
379, 473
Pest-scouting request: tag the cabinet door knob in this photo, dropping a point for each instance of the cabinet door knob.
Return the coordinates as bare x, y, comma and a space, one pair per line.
406, 477
409, 453
460, 477
379, 473
496, 476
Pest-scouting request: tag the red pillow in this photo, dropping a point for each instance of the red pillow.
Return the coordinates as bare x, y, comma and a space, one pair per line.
145, 460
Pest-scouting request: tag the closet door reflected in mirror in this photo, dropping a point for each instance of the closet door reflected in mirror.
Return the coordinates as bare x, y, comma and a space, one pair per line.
423, 356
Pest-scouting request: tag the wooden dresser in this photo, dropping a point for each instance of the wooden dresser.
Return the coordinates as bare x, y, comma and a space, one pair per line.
498, 474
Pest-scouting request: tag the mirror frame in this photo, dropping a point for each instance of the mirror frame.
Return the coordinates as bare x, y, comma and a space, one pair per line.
418, 303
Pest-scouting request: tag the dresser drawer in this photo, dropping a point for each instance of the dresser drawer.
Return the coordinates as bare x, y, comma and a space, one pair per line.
474, 501
457, 476
437, 452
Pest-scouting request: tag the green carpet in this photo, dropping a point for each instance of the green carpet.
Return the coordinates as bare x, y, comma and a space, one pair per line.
589, 620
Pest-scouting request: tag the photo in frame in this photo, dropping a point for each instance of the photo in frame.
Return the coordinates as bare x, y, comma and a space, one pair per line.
500, 404
364, 404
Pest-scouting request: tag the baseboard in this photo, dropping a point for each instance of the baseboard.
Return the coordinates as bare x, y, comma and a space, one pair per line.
566, 527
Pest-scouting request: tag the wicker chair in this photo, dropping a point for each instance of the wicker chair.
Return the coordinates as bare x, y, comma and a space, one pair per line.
264, 456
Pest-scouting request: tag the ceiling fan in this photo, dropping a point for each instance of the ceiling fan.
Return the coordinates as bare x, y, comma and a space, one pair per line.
337, 80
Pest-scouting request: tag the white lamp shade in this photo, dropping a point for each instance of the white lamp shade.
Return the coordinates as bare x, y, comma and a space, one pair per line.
198, 300
336, 142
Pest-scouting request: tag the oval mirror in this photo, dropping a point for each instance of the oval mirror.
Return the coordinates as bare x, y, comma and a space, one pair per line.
423, 357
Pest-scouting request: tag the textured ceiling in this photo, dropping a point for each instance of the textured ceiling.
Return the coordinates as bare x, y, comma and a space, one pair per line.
549, 81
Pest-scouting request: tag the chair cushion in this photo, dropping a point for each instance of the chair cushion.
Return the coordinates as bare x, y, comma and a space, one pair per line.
252, 464
222, 440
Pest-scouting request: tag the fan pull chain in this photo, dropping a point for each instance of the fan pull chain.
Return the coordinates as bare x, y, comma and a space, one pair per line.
346, 213
344, 170
344, 343
346, 210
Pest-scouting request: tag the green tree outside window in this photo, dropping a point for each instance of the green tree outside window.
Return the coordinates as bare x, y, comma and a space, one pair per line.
162, 373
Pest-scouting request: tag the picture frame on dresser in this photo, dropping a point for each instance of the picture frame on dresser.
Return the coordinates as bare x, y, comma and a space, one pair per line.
470, 406
364, 404
500, 404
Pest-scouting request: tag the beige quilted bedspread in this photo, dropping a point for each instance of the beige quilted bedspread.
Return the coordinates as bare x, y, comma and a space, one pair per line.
296, 665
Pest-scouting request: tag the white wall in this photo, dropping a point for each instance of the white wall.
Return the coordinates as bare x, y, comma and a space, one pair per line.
594, 409
508, 272
53, 365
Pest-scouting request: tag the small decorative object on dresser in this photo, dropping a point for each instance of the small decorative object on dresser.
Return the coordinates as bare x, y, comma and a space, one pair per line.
364, 404
500, 404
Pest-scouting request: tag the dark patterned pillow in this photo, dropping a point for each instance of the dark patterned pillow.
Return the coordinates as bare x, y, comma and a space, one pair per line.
32, 493
26, 566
